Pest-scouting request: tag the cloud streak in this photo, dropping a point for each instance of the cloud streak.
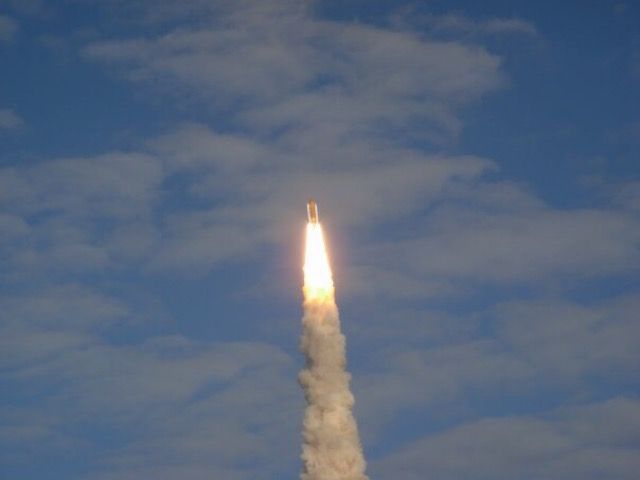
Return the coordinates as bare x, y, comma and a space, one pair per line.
9, 120
565, 444
8, 29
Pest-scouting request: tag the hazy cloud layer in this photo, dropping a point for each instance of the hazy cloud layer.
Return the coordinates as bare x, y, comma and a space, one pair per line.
276, 68
9, 120
81, 214
517, 349
453, 24
194, 407
8, 29
591, 441
42, 325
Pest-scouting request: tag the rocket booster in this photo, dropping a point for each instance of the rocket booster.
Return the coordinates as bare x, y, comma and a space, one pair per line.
312, 211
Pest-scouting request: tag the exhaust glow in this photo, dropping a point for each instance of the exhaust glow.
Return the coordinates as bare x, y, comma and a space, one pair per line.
318, 281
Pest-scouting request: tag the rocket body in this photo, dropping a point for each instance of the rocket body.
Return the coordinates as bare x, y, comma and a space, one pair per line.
312, 211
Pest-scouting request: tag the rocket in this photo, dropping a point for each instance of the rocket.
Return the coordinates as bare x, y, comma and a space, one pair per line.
312, 211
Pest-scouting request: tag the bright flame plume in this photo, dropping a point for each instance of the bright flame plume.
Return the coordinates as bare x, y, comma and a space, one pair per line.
318, 281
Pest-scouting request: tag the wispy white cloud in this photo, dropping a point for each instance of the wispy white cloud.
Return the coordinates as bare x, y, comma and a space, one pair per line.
9, 120
460, 24
196, 407
411, 378
167, 12
253, 187
522, 246
349, 101
295, 70
43, 324
627, 195
498, 234
324, 116
26, 7
592, 441
334, 111
55, 208
8, 28
116, 185
63, 307
436, 361
574, 341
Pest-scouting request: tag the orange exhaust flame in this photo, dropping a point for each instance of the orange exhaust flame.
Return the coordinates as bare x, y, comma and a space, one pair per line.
318, 281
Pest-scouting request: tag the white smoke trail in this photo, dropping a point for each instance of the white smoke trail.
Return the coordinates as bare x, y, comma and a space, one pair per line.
331, 447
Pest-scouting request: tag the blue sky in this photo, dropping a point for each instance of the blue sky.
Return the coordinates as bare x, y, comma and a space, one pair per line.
476, 169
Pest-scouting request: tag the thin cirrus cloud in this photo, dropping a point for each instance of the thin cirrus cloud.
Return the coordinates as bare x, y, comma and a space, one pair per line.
591, 441
574, 341
8, 29
41, 325
519, 246
54, 209
542, 348
9, 120
337, 118
328, 92
204, 394
71, 197
338, 114
461, 25
294, 69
